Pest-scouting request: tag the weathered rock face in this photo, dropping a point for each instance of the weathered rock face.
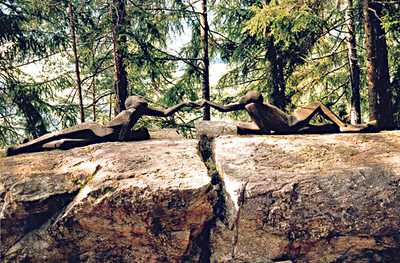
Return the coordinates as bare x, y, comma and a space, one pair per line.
330, 198
296, 198
128, 202
207, 131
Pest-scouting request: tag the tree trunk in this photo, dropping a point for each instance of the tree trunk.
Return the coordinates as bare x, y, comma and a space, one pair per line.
380, 104
78, 76
34, 122
354, 69
109, 112
119, 42
277, 94
94, 98
205, 62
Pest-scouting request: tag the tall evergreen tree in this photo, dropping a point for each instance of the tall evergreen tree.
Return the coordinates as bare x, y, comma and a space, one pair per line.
391, 24
380, 103
354, 69
205, 60
76, 60
270, 40
118, 20
27, 35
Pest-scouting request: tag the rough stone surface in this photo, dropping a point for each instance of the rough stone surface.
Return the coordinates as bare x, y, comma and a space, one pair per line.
308, 198
142, 201
207, 131
288, 199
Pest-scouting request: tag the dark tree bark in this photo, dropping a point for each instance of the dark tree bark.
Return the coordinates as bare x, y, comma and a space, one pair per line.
118, 15
205, 62
380, 104
76, 60
94, 98
35, 124
354, 69
277, 94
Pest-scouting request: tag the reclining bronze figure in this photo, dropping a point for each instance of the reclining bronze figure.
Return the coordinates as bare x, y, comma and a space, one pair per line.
269, 119
118, 129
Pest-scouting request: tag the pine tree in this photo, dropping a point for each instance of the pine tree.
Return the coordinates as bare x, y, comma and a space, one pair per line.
205, 60
380, 104
26, 36
76, 60
391, 24
269, 42
353, 66
118, 17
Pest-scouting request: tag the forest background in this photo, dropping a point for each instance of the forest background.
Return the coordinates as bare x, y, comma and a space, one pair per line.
68, 61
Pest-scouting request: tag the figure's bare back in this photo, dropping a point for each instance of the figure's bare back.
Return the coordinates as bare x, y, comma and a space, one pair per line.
268, 117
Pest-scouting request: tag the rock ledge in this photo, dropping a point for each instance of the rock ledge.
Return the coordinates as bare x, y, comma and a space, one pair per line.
142, 201
294, 198
308, 198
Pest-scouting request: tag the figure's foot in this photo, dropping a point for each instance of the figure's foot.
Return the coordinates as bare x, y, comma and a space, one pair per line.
368, 127
353, 128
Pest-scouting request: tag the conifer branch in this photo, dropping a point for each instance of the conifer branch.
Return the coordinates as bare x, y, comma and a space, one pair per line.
32, 61
97, 99
144, 8
333, 53
97, 72
332, 91
312, 81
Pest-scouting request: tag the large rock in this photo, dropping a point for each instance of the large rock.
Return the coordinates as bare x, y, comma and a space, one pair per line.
308, 198
296, 198
142, 201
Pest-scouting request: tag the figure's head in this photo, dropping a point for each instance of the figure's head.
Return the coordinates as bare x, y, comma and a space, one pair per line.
136, 102
251, 97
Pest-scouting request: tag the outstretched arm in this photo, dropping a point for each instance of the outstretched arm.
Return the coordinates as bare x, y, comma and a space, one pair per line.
224, 108
168, 112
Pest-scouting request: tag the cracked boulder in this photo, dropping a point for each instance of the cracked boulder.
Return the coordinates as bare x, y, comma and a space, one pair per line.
308, 198
145, 201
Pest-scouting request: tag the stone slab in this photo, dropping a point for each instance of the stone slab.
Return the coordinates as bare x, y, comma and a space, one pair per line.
144, 201
308, 198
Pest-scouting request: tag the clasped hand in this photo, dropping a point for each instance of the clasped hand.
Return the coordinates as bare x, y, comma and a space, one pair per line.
195, 104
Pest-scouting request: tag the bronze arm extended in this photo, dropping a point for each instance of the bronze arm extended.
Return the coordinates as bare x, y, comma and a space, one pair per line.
224, 108
168, 112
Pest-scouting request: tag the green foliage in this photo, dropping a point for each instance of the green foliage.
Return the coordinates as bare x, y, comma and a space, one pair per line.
291, 24
267, 37
30, 36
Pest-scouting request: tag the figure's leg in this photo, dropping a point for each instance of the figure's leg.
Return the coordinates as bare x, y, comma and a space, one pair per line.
303, 116
306, 113
87, 131
65, 144
248, 128
319, 128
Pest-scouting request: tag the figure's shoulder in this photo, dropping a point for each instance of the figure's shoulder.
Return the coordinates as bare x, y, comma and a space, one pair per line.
121, 118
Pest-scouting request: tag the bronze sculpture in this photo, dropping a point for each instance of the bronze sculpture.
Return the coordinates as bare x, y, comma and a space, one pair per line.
269, 119
118, 129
